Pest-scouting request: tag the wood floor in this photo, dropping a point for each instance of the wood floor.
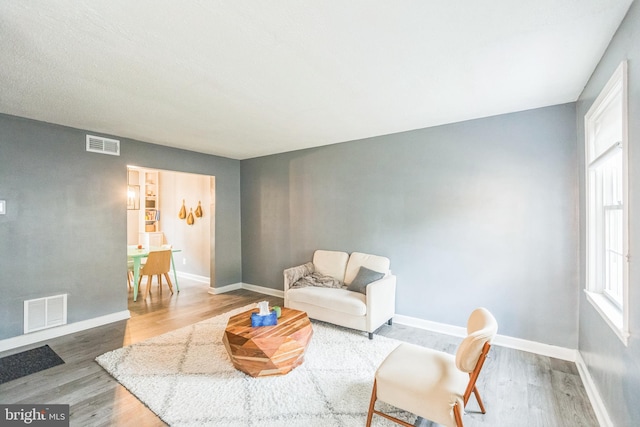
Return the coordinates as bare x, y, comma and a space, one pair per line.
518, 388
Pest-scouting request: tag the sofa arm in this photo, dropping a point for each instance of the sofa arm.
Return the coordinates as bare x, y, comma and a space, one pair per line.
381, 301
293, 274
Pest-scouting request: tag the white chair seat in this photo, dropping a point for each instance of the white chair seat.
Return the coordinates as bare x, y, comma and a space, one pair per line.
407, 379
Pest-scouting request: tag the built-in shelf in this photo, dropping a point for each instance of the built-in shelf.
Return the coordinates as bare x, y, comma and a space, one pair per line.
151, 201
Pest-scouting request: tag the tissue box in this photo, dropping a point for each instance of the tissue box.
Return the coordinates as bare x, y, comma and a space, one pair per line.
270, 319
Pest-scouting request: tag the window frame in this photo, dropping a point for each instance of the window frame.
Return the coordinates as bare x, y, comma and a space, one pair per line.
615, 315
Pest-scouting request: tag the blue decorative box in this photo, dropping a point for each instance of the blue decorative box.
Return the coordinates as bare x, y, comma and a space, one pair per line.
270, 319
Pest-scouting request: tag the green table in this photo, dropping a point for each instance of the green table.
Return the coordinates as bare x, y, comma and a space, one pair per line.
137, 254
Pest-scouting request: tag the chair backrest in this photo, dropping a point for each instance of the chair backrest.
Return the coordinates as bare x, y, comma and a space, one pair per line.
158, 262
481, 329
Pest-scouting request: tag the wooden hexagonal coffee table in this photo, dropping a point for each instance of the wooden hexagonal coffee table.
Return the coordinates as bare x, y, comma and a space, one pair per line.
268, 350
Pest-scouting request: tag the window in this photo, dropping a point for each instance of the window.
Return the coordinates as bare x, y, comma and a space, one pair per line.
607, 204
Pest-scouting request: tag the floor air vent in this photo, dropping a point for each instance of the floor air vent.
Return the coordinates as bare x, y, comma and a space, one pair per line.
43, 313
98, 144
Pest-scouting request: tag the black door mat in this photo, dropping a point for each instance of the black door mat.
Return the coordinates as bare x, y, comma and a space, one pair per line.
28, 362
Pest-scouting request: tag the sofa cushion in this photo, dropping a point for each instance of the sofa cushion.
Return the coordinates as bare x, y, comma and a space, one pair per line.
340, 300
363, 278
331, 263
372, 262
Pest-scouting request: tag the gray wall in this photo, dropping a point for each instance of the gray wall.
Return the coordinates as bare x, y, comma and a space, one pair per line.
614, 367
65, 227
479, 213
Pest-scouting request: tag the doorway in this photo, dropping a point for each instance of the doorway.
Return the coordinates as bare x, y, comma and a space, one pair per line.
163, 196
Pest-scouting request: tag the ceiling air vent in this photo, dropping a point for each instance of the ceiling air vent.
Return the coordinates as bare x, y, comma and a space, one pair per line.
98, 144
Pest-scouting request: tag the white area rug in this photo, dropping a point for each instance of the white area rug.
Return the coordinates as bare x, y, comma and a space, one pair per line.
187, 379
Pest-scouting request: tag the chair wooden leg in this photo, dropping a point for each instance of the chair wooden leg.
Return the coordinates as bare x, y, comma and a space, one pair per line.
140, 287
475, 391
372, 404
372, 410
160, 283
148, 290
166, 275
457, 413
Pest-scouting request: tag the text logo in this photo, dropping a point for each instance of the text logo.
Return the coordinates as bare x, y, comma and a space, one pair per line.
34, 415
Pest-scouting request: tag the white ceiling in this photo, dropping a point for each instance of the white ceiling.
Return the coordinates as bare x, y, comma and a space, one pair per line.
243, 79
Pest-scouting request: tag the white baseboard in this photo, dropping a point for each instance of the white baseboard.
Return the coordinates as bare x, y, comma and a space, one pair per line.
429, 325
457, 331
47, 334
557, 352
263, 290
592, 391
249, 287
501, 340
554, 351
227, 288
194, 277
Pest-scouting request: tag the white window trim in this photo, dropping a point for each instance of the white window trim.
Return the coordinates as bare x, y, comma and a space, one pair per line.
615, 317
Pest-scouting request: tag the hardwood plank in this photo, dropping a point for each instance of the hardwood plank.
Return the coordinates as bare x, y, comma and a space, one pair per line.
518, 388
95, 398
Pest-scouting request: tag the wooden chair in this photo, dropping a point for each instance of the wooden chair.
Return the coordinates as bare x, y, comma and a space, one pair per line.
433, 384
158, 264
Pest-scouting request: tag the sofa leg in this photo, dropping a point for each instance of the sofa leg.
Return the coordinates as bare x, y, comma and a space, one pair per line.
370, 335
390, 321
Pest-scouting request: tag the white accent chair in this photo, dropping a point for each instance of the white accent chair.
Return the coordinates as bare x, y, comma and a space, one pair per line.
433, 384
364, 312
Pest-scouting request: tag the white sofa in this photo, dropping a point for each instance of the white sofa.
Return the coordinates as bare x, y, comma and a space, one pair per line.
365, 312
